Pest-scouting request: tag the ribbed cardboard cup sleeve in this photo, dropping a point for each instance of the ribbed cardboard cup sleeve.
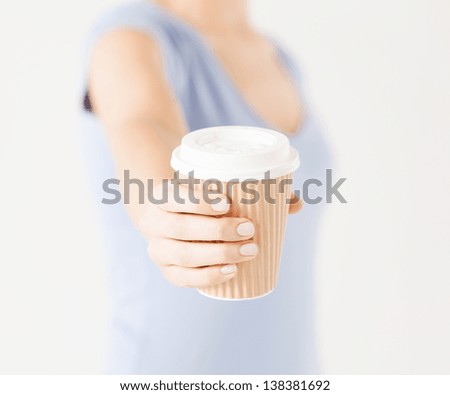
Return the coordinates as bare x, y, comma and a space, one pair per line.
258, 277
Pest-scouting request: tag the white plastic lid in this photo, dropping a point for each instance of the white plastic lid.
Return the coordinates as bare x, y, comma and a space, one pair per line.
235, 152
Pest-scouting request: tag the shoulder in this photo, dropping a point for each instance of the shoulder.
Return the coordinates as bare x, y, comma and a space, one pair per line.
146, 16
134, 22
138, 15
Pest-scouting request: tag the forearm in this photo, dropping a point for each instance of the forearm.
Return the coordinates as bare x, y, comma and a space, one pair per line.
143, 148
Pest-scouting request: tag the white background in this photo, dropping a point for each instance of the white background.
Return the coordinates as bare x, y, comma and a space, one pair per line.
378, 76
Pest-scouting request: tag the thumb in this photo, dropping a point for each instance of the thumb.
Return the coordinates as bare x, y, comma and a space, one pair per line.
296, 204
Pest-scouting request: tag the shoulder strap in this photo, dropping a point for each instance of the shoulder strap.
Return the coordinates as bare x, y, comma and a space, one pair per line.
145, 17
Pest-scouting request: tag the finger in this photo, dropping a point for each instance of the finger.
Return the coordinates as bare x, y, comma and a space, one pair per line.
198, 277
296, 204
190, 227
182, 199
191, 254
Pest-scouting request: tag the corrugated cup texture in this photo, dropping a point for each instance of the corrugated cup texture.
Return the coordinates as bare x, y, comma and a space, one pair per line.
259, 276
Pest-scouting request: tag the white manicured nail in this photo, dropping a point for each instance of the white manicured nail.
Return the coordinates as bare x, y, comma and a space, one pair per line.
229, 269
222, 206
248, 249
246, 229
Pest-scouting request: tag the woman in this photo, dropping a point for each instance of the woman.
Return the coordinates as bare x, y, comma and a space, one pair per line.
155, 71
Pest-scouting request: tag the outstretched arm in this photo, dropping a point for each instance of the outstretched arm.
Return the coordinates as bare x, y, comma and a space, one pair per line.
143, 124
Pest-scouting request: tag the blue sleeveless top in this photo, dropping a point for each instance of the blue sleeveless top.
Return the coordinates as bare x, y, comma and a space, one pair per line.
157, 328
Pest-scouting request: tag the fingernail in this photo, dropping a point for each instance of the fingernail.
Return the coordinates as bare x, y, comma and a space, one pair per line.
228, 269
249, 249
221, 206
245, 229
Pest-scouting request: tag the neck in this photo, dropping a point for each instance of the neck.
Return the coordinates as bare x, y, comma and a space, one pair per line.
215, 16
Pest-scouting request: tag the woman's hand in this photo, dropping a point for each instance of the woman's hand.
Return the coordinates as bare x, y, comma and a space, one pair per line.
296, 204
193, 244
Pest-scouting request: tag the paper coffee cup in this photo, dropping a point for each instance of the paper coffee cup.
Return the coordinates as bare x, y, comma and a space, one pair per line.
238, 156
